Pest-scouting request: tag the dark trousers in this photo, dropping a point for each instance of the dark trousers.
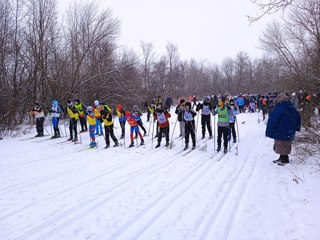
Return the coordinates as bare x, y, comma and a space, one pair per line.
123, 127
109, 132
223, 131
165, 132
206, 122
189, 130
83, 123
39, 125
141, 126
73, 128
241, 109
233, 131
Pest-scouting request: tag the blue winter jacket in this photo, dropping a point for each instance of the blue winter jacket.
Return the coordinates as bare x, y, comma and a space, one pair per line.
240, 101
283, 122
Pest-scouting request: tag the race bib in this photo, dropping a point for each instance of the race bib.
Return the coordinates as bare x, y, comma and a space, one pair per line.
187, 116
162, 118
205, 110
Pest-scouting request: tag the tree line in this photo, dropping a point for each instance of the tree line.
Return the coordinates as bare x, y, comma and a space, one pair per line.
45, 57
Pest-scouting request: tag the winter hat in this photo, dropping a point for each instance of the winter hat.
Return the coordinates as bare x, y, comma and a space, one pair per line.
69, 102
54, 103
231, 102
119, 107
188, 104
135, 108
221, 104
96, 103
128, 114
206, 99
77, 101
182, 101
282, 97
89, 109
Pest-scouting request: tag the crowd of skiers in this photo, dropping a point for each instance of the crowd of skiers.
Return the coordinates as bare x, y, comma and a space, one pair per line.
224, 107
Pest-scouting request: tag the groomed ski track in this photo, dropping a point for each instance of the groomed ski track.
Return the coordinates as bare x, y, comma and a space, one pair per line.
53, 191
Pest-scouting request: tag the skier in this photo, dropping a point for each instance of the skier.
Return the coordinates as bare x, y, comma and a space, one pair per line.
38, 113
188, 117
138, 114
106, 114
162, 116
97, 115
122, 119
92, 126
131, 118
73, 114
81, 112
151, 110
206, 110
263, 106
232, 120
180, 111
55, 115
168, 103
224, 113
282, 125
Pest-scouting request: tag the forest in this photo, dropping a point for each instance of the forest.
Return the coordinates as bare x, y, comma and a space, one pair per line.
45, 57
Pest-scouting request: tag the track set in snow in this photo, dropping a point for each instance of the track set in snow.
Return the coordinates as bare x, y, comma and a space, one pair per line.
58, 191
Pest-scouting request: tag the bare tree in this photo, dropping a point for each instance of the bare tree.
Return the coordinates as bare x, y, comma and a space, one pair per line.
148, 59
173, 59
241, 69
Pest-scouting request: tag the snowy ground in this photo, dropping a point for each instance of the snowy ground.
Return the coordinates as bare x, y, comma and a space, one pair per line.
53, 190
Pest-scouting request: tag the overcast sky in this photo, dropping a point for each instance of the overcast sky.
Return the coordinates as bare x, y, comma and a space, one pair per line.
202, 29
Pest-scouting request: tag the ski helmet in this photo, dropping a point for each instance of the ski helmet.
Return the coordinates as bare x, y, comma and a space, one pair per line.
96, 103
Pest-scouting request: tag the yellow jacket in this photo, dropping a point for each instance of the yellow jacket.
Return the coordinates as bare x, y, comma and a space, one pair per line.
72, 114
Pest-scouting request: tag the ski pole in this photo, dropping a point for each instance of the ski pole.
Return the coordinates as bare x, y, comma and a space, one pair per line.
152, 132
197, 124
137, 133
214, 132
229, 138
237, 130
151, 118
171, 143
65, 128
79, 132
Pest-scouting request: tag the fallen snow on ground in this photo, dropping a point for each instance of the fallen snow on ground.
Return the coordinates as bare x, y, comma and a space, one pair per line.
50, 189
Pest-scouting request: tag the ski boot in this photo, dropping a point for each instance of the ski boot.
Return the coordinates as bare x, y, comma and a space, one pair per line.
131, 144
158, 145
142, 142
185, 147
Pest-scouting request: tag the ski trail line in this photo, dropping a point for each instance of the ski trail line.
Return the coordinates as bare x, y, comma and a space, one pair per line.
224, 200
94, 202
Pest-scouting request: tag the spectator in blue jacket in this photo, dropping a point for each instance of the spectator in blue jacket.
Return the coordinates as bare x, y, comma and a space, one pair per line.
282, 125
240, 103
